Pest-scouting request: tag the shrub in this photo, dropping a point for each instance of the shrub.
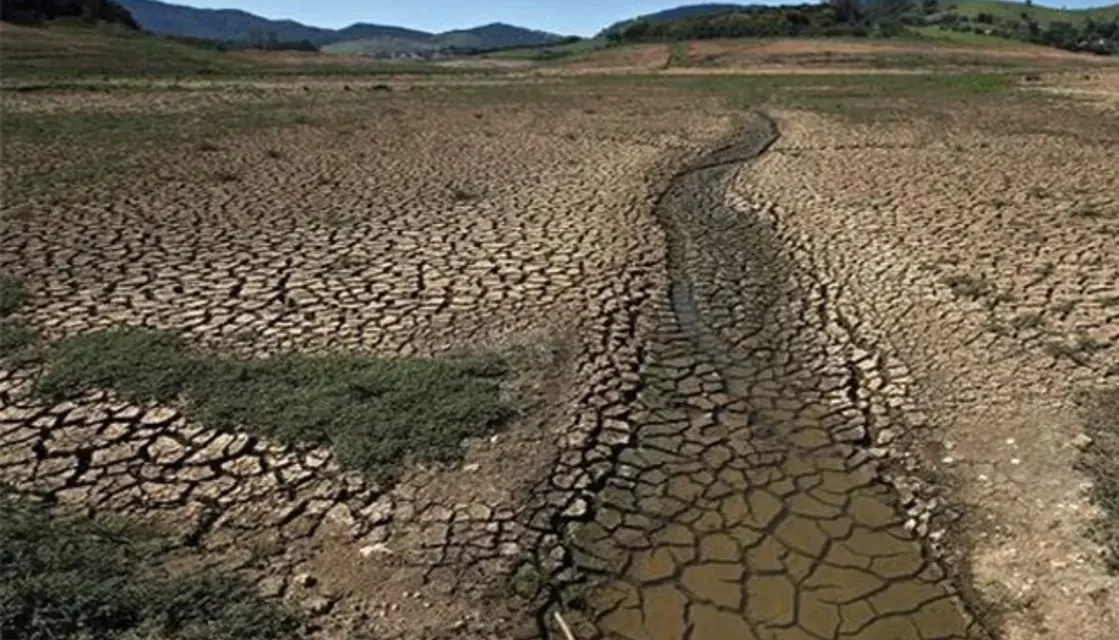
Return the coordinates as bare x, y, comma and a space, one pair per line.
84, 579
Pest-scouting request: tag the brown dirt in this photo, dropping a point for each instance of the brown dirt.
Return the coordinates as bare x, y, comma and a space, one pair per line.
762, 55
754, 395
970, 255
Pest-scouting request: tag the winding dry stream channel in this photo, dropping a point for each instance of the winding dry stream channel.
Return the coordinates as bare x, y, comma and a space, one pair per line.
744, 505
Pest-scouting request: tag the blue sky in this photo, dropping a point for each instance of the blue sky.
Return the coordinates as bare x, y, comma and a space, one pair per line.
569, 17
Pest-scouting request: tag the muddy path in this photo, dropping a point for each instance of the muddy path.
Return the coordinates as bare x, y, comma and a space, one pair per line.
745, 502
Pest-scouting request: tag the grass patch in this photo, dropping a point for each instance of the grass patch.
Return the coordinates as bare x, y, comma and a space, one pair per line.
16, 341
224, 175
677, 55
1100, 460
465, 194
1078, 350
1087, 212
13, 294
969, 286
62, 578
1027, 320
376, 414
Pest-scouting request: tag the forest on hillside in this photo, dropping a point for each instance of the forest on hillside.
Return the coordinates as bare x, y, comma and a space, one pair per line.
870, 18
33, 12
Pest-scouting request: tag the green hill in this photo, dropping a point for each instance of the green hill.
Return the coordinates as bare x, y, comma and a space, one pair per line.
76, 49
1004, 10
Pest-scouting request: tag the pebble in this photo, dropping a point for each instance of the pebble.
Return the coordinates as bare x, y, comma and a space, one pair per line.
318, 605
378, 548
1082, 441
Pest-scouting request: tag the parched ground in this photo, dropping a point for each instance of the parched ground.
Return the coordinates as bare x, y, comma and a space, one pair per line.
807, 378
980, 249
376, 223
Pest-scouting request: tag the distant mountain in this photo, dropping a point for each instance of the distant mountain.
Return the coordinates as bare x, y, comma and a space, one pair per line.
496, 35
677, 13
234, 25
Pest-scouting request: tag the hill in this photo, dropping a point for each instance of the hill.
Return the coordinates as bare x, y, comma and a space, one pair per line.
1086, 30
676, 13
236, 26
1094, 30
30, 12
1005, 10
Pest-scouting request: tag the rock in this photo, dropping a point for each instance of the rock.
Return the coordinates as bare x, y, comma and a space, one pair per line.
885, 437
305, 580
271, 586
379, 512
376, 548
340, 514
1082, 441
318, 605
577, 508
158, 416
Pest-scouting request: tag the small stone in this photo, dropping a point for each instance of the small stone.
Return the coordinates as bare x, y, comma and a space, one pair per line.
948, 460
158, 416
379, 512
1015, 461
471, 468
377, 548
318, 605
305, 580
341, 514
1082, 441
577, 508
886, 436
271, 586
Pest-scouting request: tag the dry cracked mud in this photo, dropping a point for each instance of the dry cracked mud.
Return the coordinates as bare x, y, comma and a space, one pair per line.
750, 372
745, 501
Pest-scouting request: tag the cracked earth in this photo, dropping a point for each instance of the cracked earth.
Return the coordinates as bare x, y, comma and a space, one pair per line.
814, 384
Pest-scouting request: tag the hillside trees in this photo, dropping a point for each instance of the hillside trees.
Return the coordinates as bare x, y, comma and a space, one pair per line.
38, 11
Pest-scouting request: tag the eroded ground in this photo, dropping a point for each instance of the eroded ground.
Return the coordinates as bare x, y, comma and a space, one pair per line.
793, 395
963, 249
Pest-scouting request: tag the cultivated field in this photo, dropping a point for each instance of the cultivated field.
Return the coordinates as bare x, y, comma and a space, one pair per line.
675, 355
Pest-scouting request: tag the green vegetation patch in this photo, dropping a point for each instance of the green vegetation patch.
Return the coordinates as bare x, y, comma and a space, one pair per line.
375, 413
13, 294
1100, 460
16, 339
79, 578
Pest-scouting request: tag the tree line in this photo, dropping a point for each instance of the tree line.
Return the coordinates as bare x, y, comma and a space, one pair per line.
867, 18
35, 12
835, 18
1090, 35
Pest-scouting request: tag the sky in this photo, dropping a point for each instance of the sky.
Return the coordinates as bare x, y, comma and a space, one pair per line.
567, 17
